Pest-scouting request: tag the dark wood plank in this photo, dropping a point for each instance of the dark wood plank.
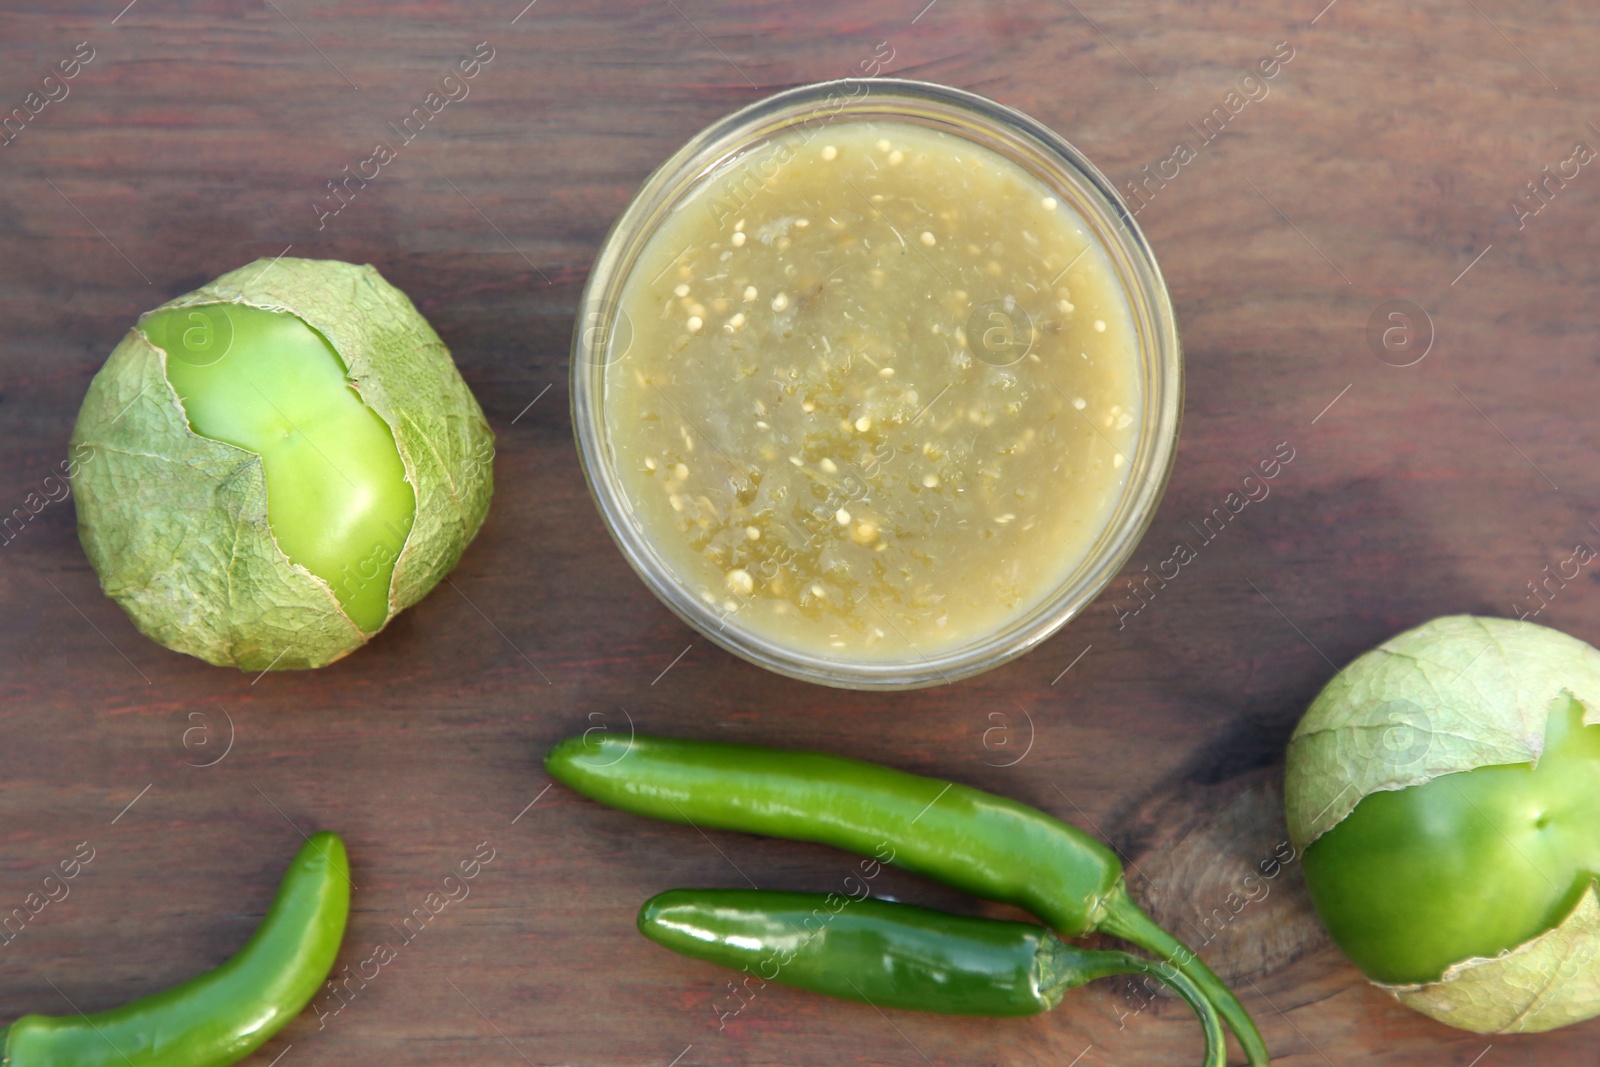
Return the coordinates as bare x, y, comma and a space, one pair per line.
1383, 161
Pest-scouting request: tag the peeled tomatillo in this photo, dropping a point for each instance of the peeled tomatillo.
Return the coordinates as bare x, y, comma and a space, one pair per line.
1444, 791
1468, 865
337, 498
270, 468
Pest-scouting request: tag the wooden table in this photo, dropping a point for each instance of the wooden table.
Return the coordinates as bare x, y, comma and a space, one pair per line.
1383, 164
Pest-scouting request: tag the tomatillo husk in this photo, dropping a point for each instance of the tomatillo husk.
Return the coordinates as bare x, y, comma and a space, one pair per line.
176, 524
1445, 791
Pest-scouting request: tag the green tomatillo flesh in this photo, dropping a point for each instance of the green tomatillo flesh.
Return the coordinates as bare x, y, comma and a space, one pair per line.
222, 1016
337, 497
1469, 864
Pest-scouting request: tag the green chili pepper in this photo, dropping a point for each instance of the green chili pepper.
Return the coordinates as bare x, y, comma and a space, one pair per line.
896, 955
222, 1016
984, 844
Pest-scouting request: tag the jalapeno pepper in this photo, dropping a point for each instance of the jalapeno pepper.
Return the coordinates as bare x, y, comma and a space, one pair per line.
984, 844
222, 1016
896, 955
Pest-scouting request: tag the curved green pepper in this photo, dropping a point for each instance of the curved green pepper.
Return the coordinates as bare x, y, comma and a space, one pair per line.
337, 497
984, 844
1470, 864
223, 1015
894, 955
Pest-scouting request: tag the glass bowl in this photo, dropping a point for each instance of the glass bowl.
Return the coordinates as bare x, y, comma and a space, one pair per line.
601, 335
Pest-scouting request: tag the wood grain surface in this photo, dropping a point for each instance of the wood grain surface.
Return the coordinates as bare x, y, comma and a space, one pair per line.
1383, 164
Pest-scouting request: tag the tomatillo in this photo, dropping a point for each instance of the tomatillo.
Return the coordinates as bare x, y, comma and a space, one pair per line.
273, 466
1445, 791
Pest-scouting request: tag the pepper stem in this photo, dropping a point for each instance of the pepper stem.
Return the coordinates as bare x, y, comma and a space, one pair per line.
1065, 967
1127, 920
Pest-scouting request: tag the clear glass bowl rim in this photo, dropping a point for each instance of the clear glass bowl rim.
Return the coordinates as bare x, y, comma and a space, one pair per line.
905, 100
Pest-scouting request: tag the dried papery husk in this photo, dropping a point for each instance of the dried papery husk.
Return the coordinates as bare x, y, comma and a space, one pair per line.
1455, 694
1546, 983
